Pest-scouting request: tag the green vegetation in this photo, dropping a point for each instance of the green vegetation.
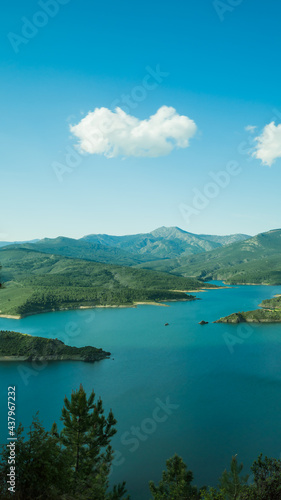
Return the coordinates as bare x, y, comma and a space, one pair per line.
82, 249
176, 482
270, 313
255, 260
71, 464
75, 463
257, 316
274, 303
235, 259
37, 282
131, 250
231, 482
164, 242
18, 345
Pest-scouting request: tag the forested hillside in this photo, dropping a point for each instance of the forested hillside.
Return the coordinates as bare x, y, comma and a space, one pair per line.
36, 282
131, 250
256, 260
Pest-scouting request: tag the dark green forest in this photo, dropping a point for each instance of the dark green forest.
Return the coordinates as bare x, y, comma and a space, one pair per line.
14, 345
269, 312
254, 260
36, 282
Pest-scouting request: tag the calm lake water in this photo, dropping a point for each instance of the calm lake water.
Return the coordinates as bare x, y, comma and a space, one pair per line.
222, 400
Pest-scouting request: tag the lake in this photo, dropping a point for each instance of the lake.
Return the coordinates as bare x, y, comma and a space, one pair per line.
205, 392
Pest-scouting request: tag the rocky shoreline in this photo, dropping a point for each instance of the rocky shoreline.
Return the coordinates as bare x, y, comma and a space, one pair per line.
256, 316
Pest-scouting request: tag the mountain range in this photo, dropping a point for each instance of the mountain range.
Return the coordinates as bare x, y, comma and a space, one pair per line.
255, 260
131, 250
237, 258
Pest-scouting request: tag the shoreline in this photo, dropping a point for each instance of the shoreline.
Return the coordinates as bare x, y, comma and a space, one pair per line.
241, 317
121, 306
247, 284
107, 306
10, 316
19, 347
256, 321
203, 289
135, 304
64, 357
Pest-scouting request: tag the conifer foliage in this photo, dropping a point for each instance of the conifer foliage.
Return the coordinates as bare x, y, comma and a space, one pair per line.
175, 483
68, 465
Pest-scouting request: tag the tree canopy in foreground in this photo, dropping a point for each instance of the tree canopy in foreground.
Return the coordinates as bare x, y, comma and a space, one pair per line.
71, 464
75, 463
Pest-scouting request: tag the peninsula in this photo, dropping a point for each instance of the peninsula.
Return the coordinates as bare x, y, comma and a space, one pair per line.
16, 346
269, 312
36, 282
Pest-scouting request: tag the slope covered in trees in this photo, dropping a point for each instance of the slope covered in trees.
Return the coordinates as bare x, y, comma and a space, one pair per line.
131, 250
36, 282
255, 260
82, 249
270, 312
14, 345
165, 242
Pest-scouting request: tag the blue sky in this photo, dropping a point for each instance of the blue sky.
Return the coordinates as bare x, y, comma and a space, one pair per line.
220, 68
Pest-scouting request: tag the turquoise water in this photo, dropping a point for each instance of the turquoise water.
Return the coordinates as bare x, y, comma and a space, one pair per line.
225, 398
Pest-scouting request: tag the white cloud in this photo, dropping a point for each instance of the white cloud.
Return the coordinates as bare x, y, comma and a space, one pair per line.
268, 146
115, 133
251, 128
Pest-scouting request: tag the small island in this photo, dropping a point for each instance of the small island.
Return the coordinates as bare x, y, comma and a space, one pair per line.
16, 346
270, 312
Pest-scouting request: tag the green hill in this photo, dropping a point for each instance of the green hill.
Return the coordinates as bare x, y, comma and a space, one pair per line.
159, 247
270, 312
80, 249
132, 250
164, 242
6, 243
35, 282
256, 260
16, 346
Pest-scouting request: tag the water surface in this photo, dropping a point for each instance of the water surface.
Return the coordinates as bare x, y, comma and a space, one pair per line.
225, 399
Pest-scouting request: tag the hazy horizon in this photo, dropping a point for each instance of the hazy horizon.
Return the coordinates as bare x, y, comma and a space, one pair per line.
77, 237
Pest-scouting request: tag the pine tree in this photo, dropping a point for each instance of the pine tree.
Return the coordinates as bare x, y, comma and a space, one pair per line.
212, 494
267, 480
231, 482
175, 483
71, 465
41, 465
86, 435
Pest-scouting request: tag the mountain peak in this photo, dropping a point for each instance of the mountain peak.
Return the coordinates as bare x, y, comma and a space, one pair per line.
167, 232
